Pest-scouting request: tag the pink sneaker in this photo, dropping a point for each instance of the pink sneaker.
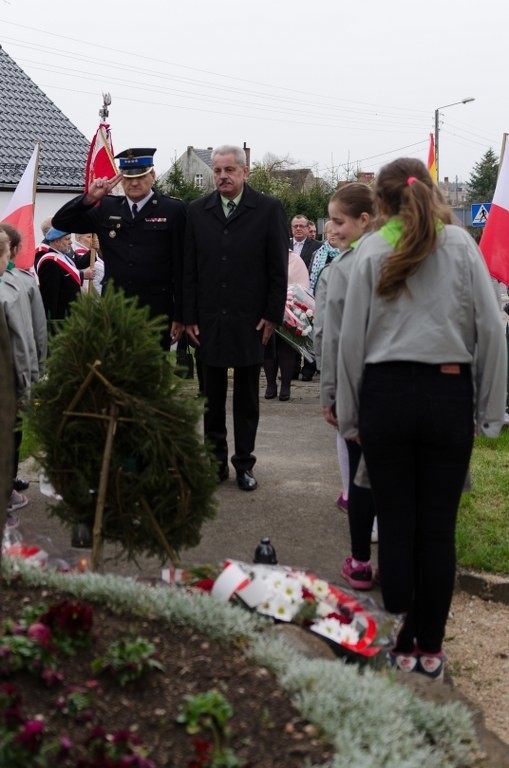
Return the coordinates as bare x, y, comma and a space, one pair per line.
342, 502
404, 662
432, 665
360, 576
17, 501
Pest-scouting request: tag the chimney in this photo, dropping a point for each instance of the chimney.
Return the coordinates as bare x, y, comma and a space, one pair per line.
247, 150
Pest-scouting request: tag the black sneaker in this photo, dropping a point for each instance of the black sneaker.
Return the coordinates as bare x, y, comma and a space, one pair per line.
20, 485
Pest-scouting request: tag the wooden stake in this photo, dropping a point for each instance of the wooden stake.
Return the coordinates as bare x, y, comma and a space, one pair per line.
103, 487
162, 538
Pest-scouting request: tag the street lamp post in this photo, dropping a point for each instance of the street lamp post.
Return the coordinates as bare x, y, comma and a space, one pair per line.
437, 127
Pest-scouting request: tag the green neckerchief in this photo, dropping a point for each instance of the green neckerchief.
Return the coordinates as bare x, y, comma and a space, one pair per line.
10, 266
392, 230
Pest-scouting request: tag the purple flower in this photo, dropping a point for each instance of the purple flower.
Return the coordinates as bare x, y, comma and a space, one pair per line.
65, 747
51, 676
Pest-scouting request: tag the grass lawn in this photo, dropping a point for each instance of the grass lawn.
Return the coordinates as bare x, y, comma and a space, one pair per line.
482, 535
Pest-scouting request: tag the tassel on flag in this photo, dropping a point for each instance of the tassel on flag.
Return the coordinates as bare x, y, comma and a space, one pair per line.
432, 160
495, 240
100, 161
20, 211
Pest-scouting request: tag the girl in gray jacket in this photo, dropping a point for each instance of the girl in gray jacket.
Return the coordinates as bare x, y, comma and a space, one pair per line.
422, 366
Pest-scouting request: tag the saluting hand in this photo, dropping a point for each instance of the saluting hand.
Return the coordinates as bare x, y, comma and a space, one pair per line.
100, 188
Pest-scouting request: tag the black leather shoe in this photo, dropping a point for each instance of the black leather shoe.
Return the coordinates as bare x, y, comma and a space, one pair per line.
284, 396
306, 377
246, 481
270, 393
223, 473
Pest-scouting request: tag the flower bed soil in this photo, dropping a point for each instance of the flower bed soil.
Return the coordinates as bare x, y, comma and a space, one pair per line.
267, 730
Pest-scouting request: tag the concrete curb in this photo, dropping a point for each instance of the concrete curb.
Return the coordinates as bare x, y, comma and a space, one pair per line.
485, 586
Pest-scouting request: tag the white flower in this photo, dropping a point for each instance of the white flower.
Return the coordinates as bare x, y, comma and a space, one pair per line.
349, 635
275, 581
286, 586
323, 608
291, 589
330, 628
319, 588
309, 313
304, 580
279, 608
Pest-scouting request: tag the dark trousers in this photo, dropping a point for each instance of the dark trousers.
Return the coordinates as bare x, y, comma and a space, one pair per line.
416, 429
246, 412
279, 355
361, 508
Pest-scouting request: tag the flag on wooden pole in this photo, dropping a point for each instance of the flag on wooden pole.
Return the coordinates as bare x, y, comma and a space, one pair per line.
19, 212
100, 161
432, 160
495, 239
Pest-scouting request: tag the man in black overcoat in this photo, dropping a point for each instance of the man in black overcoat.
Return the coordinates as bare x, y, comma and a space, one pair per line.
141, 236
235, 285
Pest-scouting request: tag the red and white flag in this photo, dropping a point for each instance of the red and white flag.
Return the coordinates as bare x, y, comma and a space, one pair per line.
100, 161
495, 240
19, 212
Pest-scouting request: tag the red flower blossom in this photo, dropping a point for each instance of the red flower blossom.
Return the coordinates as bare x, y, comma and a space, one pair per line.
31, 736
342, 618
205, 584
69, 617
40, 633
203, 754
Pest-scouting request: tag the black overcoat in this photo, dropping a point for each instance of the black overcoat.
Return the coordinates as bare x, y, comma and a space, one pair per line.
235, 274
143, 256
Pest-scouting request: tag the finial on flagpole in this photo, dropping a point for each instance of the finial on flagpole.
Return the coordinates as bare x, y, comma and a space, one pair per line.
104, 112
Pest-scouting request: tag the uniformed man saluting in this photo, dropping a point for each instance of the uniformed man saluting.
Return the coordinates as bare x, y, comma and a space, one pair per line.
141, 236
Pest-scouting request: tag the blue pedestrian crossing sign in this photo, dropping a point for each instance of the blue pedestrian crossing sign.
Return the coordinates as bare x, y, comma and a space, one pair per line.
480, 213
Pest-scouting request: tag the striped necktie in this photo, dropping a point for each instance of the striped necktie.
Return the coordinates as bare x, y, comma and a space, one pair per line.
231, 207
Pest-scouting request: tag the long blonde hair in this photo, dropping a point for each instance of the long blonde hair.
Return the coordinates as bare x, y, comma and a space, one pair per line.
405, 189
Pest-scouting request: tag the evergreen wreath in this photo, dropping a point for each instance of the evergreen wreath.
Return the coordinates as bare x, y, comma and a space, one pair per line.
111, 407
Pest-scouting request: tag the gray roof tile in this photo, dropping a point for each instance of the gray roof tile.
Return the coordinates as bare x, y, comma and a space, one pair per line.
205, 155
28, 115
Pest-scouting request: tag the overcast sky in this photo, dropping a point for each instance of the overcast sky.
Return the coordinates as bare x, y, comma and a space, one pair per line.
328, 83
